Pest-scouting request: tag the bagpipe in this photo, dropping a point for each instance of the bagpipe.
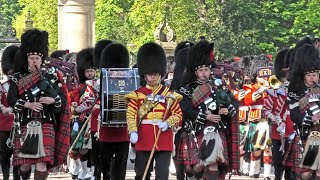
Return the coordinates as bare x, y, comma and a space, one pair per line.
231, 75
68, 69
210, 97
310, 132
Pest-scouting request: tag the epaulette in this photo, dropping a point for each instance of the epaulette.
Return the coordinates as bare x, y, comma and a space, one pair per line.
281, 91
177, 96
271, 92
134, 95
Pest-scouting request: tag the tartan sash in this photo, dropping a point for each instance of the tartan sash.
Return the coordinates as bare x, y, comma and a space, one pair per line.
62, 139
305, 104
28, 81
200, 94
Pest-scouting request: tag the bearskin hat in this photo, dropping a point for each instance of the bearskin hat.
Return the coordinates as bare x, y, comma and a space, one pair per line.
33, 42
98, 48
280, 65
151, 58
305, 40
59, 54
114, 56
180, 68
199, 55
181, 45
258, 62
306, 61
8, 59
84, 61
245, 64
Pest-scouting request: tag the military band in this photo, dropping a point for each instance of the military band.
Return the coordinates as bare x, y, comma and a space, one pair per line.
89, 111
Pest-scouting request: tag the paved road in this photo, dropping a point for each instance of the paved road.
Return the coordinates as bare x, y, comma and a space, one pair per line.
130, 176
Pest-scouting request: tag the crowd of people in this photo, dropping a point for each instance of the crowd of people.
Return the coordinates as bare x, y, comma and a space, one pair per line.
213, 119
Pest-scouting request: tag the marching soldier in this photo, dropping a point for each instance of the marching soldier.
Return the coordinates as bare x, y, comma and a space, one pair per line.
303, 93
274, 109
114, 141
206, 112
38, 98
153, 111
6, 114
82, 113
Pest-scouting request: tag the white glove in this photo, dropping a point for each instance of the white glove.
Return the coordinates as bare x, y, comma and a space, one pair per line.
163, 126
133, 137
75, 126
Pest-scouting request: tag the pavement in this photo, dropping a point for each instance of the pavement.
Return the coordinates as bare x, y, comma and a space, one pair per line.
130, 176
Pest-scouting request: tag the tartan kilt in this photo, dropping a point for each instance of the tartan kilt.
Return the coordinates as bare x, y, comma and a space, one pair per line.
293, 157
48, 142
187, 152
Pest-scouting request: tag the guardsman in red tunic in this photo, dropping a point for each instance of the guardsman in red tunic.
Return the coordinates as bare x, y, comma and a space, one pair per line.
80, 109
6, 115
152, 109
114, 141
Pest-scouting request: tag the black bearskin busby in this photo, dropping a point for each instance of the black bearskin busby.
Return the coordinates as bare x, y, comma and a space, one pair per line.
84, 61
151, 58
306, 61
8, 59
199, 55
58, 54
180, 46
114, 56
280, 67
33, 42
98, 48
179, 69
258, 62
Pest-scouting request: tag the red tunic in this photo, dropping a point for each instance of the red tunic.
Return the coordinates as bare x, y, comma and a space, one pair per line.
255, 109
147, 132
5, 121
271, 110
112, 134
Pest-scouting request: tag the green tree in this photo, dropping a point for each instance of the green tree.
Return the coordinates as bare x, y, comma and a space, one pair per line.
44, 14
8, 10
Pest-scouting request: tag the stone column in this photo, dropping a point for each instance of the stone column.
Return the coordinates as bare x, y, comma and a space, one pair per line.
76, 24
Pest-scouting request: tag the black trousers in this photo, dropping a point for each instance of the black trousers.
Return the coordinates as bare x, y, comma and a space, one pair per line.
277, 159
5, 155
162, 159
118, 153
95, 156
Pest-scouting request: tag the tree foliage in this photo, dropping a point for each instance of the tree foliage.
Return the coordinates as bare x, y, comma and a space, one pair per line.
236, 27
44, 14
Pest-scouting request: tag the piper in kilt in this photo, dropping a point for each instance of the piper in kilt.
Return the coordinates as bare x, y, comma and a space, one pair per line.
181, 53
206, 112
304, 92
37, 97
6, 114
152, 110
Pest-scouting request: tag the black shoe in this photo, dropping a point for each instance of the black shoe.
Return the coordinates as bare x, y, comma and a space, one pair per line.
255, 176
267, 178
246, 174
